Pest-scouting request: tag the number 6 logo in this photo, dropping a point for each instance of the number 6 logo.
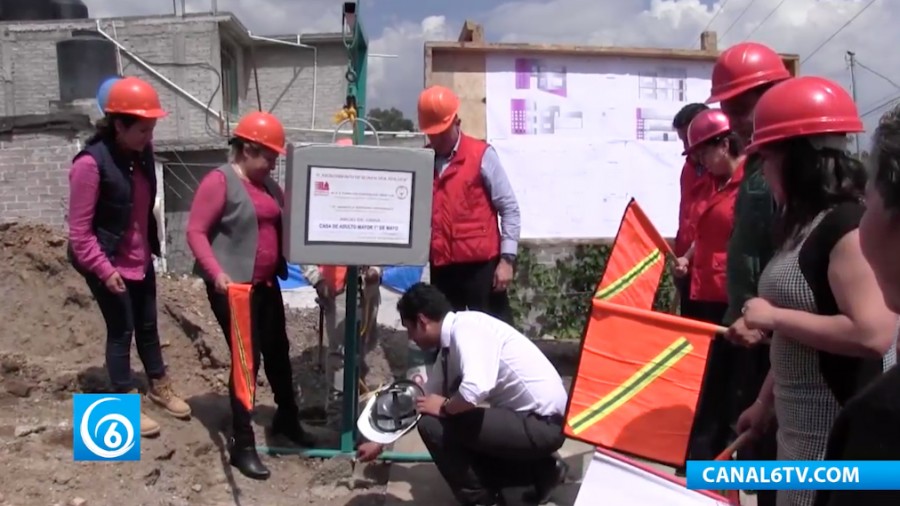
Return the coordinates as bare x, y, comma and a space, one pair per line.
112, 439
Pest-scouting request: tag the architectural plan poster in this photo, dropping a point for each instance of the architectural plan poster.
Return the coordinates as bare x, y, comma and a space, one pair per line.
581, 135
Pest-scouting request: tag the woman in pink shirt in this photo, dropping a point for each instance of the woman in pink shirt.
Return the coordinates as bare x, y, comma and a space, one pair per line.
112, 234
234, 231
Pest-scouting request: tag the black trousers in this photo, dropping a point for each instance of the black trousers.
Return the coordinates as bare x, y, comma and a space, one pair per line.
270, 342
470, 286
716, 415
132, 313
480, 451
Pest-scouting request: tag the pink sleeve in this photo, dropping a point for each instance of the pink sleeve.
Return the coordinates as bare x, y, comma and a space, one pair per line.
84, 189
206, 211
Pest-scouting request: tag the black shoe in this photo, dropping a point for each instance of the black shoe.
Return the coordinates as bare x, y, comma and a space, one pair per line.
247, 461
287, 425
545, 485
493, 499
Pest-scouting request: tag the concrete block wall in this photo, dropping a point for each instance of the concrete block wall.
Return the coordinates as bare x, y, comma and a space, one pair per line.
34, 176
293, 80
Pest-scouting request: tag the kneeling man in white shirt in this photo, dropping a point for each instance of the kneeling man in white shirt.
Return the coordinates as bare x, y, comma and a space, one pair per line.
482, 360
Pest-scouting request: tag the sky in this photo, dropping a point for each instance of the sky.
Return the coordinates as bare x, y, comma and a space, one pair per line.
817, 30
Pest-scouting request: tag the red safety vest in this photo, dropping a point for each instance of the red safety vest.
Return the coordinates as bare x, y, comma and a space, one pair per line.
464, 225
334, 275
714, 219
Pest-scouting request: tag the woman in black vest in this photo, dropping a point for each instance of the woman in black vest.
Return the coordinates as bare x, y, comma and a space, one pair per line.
234, 231
113, 233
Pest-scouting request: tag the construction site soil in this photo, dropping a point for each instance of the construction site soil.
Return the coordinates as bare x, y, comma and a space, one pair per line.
52, 342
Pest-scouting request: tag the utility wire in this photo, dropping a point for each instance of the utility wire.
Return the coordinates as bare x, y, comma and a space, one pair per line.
887, 103
836, 32
738, 18
713, 18
769, 15
879, 74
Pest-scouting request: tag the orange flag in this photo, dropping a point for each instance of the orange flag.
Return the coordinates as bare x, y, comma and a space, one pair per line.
241, 337
638, 381
635, 265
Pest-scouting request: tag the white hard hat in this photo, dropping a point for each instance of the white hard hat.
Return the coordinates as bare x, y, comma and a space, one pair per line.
390, 413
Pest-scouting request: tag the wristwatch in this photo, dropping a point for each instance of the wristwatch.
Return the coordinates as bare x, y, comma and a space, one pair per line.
509, 258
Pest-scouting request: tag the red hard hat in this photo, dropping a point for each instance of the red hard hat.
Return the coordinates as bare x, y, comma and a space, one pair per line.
745, 66
134, 96
262, 128
706, 126
437, 109
802, 106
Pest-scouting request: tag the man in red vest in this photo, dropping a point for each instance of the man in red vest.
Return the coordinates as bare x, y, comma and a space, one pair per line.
472, 255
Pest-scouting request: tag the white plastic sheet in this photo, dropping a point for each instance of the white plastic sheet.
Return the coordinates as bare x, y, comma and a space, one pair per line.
612, 480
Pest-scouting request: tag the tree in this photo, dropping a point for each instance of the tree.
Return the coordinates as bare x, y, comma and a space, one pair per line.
390, 120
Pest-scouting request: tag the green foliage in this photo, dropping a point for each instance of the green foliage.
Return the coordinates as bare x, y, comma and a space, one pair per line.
390, 120
554, 299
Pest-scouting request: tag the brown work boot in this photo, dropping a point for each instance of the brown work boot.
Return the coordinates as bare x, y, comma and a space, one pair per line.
161, 393
149, 426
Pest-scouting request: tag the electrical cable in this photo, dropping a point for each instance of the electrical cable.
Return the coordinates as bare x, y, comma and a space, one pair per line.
887, 103
769, 15
879, 74
738, 18
713, 18
206, 66
836, 32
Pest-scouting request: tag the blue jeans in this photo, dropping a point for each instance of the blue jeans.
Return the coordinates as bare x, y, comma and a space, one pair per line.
128, 314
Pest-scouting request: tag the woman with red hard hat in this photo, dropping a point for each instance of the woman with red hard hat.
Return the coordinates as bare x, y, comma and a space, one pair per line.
716, 148
113, 233
831, 333
234, 231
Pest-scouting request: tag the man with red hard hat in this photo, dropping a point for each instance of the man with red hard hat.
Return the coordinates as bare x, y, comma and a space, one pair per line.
472, 256
741, 75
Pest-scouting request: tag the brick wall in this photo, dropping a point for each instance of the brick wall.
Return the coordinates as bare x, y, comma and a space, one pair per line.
34, 170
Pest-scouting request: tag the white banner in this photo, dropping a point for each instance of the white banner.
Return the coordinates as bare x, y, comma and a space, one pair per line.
614, 481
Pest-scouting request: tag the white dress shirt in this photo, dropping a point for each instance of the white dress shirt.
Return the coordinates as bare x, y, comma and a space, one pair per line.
497, 365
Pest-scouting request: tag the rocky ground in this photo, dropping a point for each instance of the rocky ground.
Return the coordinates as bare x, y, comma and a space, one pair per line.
52, 345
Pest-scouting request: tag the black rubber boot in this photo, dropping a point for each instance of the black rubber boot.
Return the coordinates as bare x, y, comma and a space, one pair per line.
245, 458
287, 424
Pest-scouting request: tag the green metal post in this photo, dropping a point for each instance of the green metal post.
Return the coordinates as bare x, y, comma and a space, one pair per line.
357, 49
356, 94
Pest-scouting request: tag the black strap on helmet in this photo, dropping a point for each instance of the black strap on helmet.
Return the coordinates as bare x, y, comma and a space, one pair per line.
401, 410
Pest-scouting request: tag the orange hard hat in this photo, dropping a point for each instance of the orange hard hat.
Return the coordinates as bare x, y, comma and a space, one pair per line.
134, 96
262, 128
744, 66
437, 109
705, 127
802, 106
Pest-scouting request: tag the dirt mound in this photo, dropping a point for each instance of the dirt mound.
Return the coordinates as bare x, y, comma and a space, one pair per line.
52, 341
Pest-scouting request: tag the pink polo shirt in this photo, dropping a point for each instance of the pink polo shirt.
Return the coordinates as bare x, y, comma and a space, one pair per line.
132, 257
